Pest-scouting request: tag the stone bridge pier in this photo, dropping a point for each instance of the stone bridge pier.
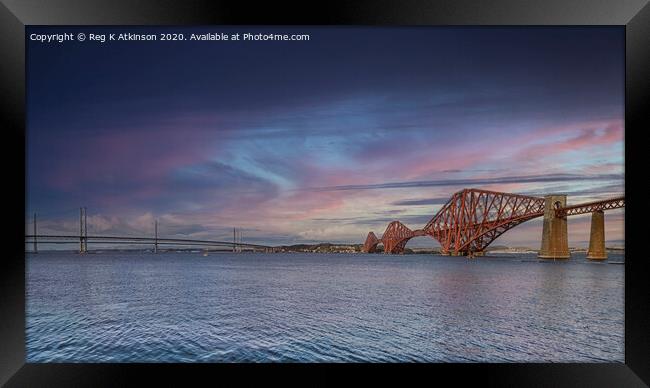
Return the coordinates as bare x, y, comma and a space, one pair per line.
555, 239
597, 237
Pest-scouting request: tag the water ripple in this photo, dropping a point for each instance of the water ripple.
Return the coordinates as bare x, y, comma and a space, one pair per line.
321, 308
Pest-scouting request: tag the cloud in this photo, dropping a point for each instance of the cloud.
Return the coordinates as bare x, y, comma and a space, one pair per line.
577, 192
292, 156
588, 136
419, 202
542, 178
566, 189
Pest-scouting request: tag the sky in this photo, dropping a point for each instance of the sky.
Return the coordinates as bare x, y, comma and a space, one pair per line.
321, 140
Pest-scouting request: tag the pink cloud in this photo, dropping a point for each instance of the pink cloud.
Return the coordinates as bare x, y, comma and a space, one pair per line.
143, 156
588, 135
477, 154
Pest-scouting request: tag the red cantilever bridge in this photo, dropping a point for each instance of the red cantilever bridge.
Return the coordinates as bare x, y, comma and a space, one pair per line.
473, 218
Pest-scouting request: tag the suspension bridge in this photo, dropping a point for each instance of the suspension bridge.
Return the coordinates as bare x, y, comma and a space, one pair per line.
83, 239
155, 243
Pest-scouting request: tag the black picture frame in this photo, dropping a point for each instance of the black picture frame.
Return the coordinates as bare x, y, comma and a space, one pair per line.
16, 14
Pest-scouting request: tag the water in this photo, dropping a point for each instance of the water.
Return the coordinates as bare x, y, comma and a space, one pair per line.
183, 307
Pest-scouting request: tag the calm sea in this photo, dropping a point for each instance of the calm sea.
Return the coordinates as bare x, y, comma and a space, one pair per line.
184, 307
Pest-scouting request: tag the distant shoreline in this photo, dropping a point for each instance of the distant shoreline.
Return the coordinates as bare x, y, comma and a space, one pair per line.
322, 248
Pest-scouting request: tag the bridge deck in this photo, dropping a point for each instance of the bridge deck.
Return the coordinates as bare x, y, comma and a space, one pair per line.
140, 240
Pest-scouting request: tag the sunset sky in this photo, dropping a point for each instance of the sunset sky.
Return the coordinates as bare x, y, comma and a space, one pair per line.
321, 140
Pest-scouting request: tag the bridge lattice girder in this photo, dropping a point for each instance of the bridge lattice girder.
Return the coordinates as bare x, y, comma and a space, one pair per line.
397, 235
590, 207
473, 218
371, 243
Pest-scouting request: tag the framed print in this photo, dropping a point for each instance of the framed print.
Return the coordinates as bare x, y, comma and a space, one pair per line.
433, 187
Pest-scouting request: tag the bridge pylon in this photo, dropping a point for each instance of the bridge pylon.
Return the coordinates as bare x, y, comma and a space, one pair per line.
597, 237
555, 239
83, 230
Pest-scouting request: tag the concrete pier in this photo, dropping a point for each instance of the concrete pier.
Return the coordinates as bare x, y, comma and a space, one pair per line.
597, 237
555, 239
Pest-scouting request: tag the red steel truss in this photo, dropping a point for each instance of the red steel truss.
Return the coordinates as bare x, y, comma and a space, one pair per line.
371, 243
394, 238
473, 218
591, 207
